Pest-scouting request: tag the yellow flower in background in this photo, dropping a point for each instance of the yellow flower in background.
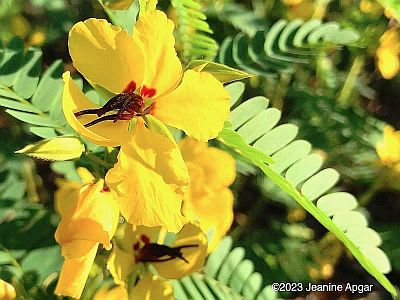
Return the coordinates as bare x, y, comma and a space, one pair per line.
142, 245
302, 9
209, 201
292, 2
388, 53
88, 218
145, 75
150, 178
388, 150
7, 291
37, 38
19, 26
371, 7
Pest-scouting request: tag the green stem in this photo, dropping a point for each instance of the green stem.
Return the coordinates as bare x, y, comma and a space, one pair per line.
99, 161
344, 97
368, 195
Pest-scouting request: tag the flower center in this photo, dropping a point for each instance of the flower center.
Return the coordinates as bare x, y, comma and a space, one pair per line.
153, 252
123, 106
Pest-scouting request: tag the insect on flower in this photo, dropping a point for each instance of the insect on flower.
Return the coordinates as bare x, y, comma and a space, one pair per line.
128, 104
153, 252
141, 244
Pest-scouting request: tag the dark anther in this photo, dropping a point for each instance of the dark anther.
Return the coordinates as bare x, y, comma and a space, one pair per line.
158, 253
127, 105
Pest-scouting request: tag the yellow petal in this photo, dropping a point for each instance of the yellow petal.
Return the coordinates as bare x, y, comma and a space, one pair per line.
75, 269
218, 166
105, 133
150, 178
199, 106
152, 287
388, 150
94, 218
115, 293
7, 291
106, 54
120, 264
66, 196
213, 212
190, 234
85, 175
388, 63
163, 68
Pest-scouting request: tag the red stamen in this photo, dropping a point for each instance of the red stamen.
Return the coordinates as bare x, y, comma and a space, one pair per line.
145, 239
136, 246
105, 189
147, 92
131, 87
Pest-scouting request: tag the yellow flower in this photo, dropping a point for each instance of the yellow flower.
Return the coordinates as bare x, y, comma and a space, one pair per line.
292, 2
303, 9
148, 288
143, 246
144, 73
115, 293
388, 150
209, 201
150, 178
152, 287
37, 37
388, 53
371, 7
88, 217
7, 291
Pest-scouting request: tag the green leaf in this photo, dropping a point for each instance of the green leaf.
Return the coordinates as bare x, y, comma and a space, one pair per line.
247, 110
336, 203
304, 168
222, 72
28, 76
11, 62
43, 132
393, 6
235, 91
44, 261
232, 139
192, 30
26, 107
319, 183
159, 127
50, 87
227, 276
31, 118
301, 166
58, 148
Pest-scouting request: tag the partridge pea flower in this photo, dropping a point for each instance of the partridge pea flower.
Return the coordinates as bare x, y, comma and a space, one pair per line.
88, 218
7, 291
145, 76
209, 201
388, 149
148, 288
150, 178
388, 53
143, 246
